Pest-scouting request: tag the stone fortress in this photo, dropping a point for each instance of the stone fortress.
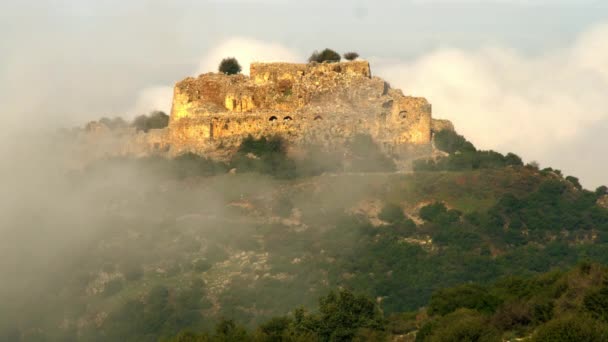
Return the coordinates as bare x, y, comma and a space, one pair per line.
316, 103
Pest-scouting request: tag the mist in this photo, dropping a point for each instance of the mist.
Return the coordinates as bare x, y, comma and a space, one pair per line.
68, 229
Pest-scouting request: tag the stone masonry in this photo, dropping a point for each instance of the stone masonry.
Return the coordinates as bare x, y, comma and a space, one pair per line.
303, 103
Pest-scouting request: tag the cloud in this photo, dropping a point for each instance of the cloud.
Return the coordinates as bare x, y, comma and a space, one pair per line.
501, 99
151, 99
246, 50
243, 49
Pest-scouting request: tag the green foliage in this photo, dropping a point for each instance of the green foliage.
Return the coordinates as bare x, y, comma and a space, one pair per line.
464, 296
468, 160
464, 156
391, 213
343, 313
229, 66
438, 213
596, 303
326, 55
155, 120
462, 325
574, 181
601, 190
229, 331
265, 156
577, 328
451, 142
351, 56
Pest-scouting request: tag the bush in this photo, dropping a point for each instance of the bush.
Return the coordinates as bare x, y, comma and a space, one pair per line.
571, 329
597, 303
351, 56
391, 213
574, 181
229, 66
265, 156
155, 120
343, 313
438, 213
326, 55
451, 142
601, 190
463, 325
464, 296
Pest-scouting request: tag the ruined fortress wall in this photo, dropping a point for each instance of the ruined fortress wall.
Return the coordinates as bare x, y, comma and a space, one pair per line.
413, 116
314, 102
262, 73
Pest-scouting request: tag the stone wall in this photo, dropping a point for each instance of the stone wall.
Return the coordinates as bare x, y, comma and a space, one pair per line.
303, 103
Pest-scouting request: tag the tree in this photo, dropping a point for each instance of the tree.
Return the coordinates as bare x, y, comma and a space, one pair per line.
343, 313
327, 55
155, 120
391, 213
230, 66
574, 181
351, 56
574, 328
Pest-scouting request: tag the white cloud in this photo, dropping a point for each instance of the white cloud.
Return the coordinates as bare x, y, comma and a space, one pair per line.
501, 99
151, 99
243, 49
246, 51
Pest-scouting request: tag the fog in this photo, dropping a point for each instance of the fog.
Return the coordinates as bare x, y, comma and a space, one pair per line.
64, 63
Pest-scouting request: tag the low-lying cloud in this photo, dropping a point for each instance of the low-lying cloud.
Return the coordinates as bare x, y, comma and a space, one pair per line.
504, 100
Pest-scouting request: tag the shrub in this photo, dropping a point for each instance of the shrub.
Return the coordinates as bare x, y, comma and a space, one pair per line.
451, 142
351, 56
327, 55
464, 325
574, 181
229, 66
601, 190
597, 303
391, 213
464, 296
343, 313
571, 329
438, 213
155, 120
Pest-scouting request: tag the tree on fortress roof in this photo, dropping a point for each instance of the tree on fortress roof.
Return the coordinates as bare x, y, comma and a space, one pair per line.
154, 120
230, 66
351, 56
327, 55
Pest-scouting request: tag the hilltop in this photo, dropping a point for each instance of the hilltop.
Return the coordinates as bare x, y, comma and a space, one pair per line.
324, 104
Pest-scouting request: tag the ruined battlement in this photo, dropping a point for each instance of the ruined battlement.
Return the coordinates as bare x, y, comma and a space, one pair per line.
324, 103
262, 73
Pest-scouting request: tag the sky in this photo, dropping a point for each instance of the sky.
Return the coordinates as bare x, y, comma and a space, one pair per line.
527, 76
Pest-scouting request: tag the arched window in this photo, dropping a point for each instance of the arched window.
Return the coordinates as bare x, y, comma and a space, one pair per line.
287, 118
273, 118
403, 114
318, 117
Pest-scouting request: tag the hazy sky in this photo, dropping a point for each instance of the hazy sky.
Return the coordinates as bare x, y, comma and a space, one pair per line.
521, 75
